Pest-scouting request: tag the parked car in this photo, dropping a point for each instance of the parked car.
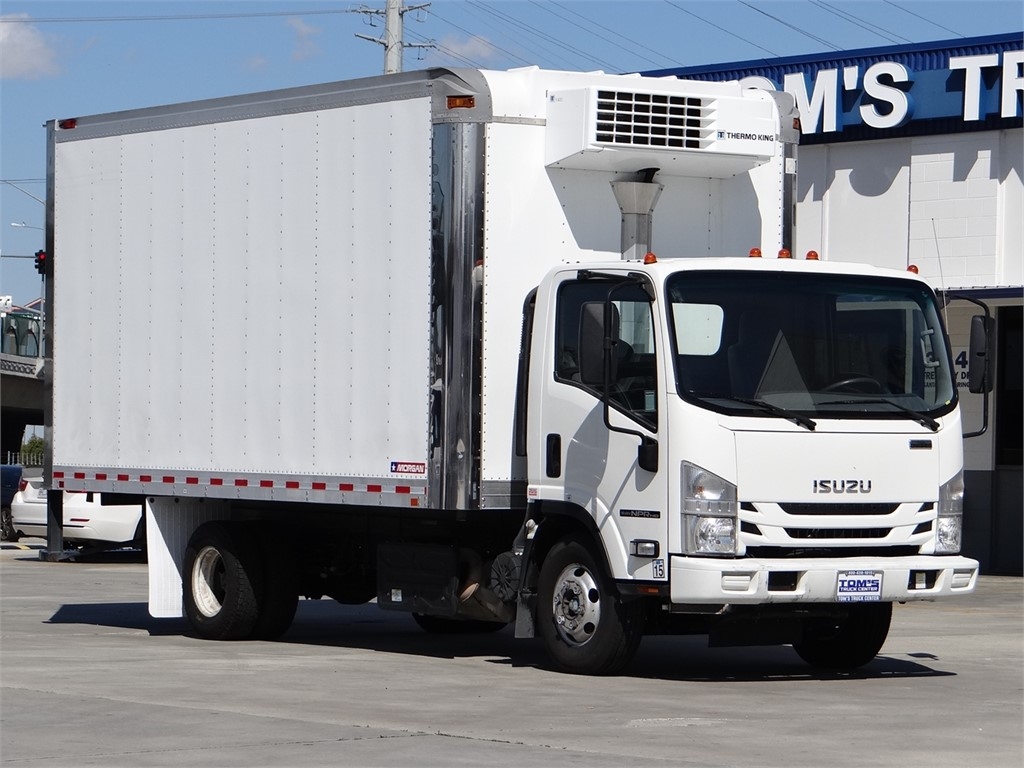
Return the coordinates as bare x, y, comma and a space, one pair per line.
10, 478
88, 522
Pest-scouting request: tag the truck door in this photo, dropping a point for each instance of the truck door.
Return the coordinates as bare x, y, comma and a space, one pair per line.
594, 422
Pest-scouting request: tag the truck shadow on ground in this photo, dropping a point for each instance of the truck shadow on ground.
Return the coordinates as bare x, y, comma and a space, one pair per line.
366, 627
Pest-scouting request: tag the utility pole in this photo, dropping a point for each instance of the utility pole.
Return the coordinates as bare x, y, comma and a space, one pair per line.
393, 14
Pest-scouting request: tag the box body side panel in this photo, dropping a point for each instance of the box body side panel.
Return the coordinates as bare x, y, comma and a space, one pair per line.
247, 296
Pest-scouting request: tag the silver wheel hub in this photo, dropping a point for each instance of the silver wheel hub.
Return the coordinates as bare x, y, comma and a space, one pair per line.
208, 582
576, 605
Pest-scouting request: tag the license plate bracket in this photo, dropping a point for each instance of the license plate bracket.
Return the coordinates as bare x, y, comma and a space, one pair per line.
859, 586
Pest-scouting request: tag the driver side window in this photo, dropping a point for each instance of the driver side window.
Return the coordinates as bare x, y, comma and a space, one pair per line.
633, 387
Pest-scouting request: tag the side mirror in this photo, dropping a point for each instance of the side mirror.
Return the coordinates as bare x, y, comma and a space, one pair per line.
647, 454
978, 375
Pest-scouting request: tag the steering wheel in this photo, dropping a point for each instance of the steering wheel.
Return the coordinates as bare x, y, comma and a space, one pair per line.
856, 383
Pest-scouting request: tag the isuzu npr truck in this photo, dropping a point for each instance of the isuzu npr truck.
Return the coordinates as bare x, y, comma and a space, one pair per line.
495, 348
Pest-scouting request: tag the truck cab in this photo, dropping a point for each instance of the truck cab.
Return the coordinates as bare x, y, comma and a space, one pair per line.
726, 435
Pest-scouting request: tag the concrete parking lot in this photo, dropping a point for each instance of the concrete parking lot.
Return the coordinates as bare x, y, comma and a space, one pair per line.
89, 679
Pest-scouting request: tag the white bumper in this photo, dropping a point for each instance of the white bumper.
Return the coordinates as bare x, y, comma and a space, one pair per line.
751, 580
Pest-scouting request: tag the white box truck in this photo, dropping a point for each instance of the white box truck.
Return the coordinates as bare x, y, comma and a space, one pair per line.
405, 339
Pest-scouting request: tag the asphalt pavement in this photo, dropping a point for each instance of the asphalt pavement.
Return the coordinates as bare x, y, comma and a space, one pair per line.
88, 678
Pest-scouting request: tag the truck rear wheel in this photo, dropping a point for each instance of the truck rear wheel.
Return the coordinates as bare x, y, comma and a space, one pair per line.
847, 642
222, 581
585, 626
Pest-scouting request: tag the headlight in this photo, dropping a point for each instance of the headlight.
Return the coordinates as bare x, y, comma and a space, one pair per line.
950, 524
709, 513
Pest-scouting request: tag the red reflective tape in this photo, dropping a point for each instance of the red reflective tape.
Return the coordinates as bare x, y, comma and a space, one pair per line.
167, 479
266, 483
403, 489
101, 475
293, 484
79, 475
374, 488
319, 486
191, 481
145, 478
216, 481
241, 482
346, 487
122, 478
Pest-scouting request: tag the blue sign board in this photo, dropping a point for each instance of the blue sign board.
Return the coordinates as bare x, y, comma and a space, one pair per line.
944, 87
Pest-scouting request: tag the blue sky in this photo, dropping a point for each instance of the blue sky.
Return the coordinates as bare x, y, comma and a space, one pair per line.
61, 59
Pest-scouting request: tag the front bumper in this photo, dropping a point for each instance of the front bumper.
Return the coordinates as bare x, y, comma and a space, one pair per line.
756, 581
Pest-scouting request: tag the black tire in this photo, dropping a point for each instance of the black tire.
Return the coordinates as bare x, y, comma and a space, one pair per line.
585, 626
280, 589
222, 581
7, 530
442, 625
847, 642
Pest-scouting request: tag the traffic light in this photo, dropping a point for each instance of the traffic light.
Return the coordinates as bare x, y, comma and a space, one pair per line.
41, 262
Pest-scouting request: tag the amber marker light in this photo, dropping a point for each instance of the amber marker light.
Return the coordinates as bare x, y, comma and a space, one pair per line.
461, 102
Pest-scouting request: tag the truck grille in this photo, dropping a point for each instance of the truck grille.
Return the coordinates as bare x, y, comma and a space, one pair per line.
797, 552
838, 509
652, 120
837, 533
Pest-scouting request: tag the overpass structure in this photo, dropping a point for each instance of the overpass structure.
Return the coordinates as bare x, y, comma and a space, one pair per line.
22, 394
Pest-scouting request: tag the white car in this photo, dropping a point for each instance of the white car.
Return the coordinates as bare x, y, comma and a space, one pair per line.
88, 522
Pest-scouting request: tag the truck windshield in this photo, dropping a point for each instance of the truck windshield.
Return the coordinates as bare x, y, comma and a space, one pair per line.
799, 346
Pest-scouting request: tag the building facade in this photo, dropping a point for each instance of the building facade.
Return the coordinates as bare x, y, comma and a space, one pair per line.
914, 155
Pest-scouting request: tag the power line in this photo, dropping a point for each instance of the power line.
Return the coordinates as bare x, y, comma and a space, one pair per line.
923, 18
483, 40
560, 45
11, 183
803, 32
546, 6
723, 29
165, 17
845, 15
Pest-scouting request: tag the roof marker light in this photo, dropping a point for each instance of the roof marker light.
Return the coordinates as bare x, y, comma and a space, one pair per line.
650, 258
912, 268
812, 256
755, 253
68, 125
785, 254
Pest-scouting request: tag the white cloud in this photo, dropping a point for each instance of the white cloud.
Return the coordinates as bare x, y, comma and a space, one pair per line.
256, 63
25, 53
473, 48
305, 45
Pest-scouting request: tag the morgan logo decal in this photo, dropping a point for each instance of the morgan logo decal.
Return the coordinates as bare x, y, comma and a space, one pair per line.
408, 467
842, 486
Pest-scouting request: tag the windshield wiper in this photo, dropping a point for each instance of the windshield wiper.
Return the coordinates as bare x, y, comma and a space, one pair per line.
775, 410
917, 416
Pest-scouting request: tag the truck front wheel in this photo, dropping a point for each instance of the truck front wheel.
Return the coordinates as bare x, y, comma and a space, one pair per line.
585, 626
222, 581
846, 642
